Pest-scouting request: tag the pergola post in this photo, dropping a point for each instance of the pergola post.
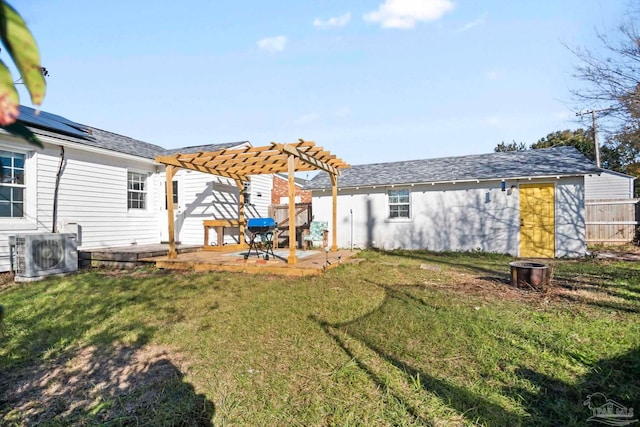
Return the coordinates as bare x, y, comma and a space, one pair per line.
241, 214
291, 163
170, 172
334, 212
238, 164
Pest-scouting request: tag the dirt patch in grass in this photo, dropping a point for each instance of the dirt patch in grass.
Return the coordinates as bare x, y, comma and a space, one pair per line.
489, 288
124, 385
578, 289
6, 280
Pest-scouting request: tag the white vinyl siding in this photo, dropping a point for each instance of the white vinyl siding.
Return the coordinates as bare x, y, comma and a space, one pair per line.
93, 197
608, 186
207, 196
93, 194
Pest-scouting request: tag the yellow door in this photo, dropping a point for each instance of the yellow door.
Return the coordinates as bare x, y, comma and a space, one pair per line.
537, 220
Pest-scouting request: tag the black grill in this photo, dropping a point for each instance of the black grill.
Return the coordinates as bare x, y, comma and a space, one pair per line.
261, 230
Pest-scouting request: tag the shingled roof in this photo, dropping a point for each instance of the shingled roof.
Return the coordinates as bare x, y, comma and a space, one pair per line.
48, 124
556, 161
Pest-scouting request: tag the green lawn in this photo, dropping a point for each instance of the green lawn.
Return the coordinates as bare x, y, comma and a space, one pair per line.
401, 338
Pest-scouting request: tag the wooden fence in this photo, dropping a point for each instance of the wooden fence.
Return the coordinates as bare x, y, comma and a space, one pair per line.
281, 214
612, 222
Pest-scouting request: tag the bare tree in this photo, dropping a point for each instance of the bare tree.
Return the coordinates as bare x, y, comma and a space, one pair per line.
613, 77
613, 89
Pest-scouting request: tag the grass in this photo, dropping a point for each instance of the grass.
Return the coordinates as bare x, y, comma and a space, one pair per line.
401, 338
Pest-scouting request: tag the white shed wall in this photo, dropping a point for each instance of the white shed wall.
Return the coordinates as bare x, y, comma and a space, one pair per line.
458, 217
571, 228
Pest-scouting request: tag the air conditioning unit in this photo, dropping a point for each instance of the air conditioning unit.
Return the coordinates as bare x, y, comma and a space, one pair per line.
44, 254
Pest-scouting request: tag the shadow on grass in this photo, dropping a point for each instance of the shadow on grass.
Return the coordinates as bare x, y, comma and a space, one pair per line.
64, 361
493, 265
559, 403
547, 402
99, 386
467, 404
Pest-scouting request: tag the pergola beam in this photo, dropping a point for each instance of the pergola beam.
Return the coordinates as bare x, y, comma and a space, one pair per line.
238, 163
318, 164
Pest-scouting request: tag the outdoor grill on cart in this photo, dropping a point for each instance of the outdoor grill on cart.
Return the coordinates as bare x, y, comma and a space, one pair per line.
261, 230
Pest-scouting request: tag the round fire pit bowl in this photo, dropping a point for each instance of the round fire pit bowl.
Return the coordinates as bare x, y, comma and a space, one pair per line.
529, 274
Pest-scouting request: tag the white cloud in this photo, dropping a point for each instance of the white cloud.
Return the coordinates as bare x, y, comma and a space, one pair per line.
404, 14
336, 21
475, 23
273, 44
495, 74
308, 118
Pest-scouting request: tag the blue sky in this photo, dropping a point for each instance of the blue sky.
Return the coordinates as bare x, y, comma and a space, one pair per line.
370, 80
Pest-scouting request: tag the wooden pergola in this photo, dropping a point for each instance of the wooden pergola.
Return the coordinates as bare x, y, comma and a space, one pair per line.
238, 164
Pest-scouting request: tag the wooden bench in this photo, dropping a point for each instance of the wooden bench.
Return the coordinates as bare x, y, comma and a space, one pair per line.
219, 225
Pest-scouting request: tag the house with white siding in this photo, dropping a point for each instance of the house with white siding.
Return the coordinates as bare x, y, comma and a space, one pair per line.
107, 188
524, 203
612, 210
608, 185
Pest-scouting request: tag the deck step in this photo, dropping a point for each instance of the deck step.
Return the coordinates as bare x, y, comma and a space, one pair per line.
127, 256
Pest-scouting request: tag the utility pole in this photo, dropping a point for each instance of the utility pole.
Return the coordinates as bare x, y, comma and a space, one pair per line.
596, 144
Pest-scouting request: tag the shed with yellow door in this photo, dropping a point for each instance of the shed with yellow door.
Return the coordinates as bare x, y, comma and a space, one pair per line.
529, 203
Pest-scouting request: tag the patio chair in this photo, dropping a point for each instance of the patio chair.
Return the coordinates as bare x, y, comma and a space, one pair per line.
318, 231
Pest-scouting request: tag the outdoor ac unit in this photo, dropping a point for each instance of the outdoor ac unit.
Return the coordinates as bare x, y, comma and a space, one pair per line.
39, 255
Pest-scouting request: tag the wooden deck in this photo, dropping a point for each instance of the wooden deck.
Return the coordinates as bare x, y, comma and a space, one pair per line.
310, 263
121, 257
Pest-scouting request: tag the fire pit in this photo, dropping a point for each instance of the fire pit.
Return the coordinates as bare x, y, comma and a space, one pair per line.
528, 274
261, 230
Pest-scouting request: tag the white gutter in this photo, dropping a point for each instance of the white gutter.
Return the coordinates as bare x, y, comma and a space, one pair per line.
457, 181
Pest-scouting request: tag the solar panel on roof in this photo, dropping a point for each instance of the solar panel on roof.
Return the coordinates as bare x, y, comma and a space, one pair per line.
51, 122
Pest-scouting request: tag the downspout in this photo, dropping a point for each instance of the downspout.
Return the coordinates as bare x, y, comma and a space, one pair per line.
54, 228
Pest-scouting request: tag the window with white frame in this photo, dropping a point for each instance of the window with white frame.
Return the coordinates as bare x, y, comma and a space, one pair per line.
137, 190
12, 186
399, 204
174, 185
246, 190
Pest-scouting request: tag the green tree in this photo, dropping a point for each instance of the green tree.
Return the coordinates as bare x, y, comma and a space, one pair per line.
580, 138
21, 47
513, 146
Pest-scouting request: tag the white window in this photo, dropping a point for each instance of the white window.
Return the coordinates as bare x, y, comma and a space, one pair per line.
247, 192
12, 187
136, 195
399, 206
174, 185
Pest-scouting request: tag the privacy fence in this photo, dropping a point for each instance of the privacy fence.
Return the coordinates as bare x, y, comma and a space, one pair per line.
612, 222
